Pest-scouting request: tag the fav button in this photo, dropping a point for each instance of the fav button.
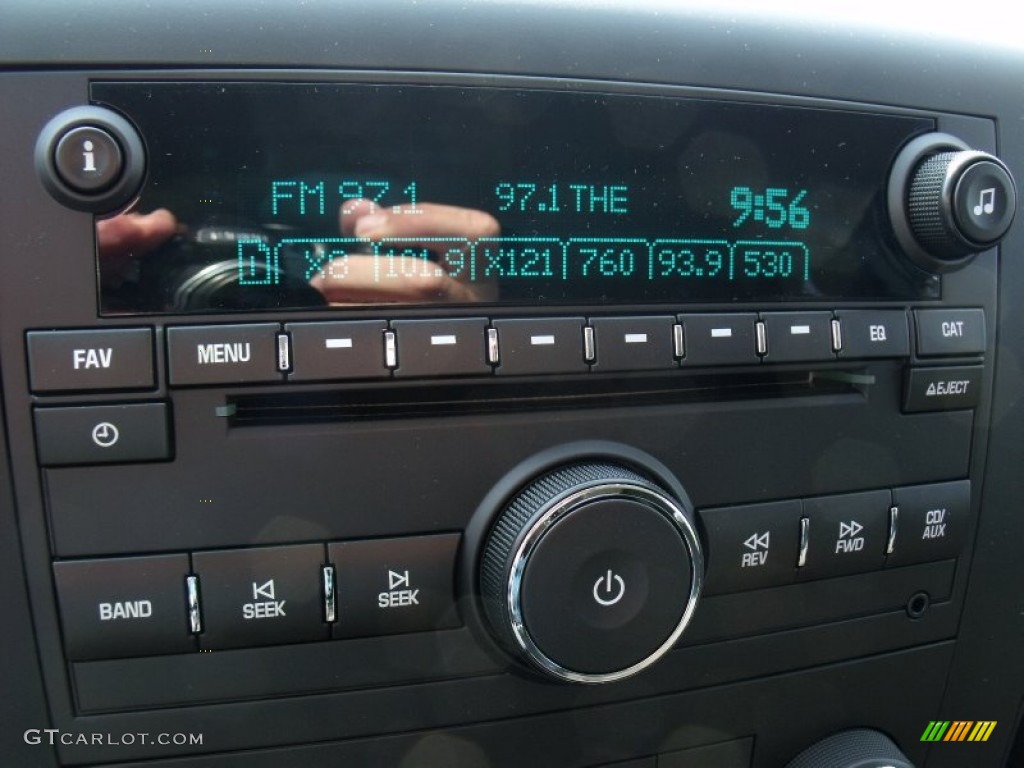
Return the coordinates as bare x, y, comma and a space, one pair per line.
120, 607
261, 596
81, 361
391, 586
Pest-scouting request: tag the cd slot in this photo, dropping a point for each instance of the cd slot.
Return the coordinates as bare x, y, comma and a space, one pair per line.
451, 399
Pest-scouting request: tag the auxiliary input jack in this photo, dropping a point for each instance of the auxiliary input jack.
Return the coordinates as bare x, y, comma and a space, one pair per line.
918, 604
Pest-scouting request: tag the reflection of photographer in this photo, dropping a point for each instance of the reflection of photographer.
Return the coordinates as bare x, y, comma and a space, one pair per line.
419, 226
187, 273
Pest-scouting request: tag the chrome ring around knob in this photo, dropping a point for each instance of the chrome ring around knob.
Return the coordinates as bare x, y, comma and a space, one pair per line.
577, 501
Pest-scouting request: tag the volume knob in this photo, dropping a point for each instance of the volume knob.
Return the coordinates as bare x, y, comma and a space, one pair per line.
949, 202
591, 572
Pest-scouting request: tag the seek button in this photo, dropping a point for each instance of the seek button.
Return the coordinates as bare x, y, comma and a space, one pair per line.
392, 586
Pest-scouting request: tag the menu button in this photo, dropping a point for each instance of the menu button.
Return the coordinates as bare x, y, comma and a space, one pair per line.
218, 354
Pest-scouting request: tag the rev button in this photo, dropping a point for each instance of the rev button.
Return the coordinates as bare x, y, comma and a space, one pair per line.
751, 546
260, 596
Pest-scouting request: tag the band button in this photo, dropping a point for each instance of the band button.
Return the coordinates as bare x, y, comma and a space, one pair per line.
115, 608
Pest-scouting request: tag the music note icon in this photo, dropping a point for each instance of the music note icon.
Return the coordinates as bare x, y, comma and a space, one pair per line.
986, 201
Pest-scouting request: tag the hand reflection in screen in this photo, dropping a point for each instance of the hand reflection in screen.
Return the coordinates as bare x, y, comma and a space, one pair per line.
439, 229
129, 235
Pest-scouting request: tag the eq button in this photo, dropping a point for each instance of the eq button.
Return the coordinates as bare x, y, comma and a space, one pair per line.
868, 333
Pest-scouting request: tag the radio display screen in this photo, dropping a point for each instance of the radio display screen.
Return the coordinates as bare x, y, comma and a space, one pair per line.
303, 195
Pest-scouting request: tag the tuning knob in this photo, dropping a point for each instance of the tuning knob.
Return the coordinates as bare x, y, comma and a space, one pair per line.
591, 572
948, 202
858, 748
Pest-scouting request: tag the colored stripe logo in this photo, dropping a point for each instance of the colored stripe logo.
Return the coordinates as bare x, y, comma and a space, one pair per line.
958, 730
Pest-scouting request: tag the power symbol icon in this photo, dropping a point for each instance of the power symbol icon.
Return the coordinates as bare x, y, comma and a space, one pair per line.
609, 589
